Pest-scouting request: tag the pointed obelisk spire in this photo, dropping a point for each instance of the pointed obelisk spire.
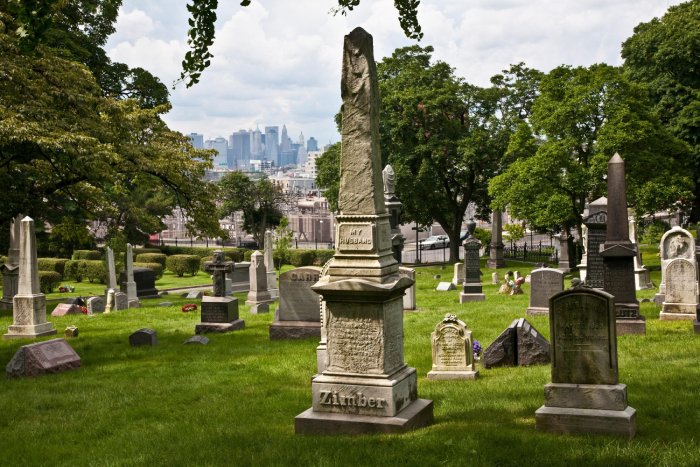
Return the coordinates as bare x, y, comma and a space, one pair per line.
29, 305
361, 185
618, 228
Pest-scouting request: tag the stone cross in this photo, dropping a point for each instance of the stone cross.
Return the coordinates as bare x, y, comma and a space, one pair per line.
111, 273
218, 268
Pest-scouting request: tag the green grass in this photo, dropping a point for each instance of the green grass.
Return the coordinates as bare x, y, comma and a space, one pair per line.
233, 402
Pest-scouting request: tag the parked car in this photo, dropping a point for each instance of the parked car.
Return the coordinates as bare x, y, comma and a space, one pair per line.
435, 241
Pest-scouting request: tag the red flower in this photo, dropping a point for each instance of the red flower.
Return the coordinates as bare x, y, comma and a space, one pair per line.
189, 307
84, 310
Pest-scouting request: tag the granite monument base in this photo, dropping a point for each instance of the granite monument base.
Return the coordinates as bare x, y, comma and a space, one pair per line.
471, 297
280, 330
452, 375
586, 409
26, 306
219, 314
417, 415
536, 311
631, 326
678, 311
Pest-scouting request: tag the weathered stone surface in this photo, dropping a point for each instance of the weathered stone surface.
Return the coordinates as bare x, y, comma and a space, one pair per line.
95, 305
453, 356
111, 271
145, 280
409, 297
71, 331
458, 275
519, 344
29, 304
471, 288
585, 395
202, 340
218, 268
194, 295
219, 314
121, 301
143, 336
681, 298
294, 330
544, 283
258, 294
240, 277
496, 260
10, 268
130, 284
445, 287
164, 304
676, 243
52, 356
494, 278
297, 301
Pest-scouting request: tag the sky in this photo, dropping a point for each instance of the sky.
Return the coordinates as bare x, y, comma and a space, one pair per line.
278, 61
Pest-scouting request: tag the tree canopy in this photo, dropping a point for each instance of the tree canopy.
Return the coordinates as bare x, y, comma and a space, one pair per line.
581, 117
663, 54
70, 149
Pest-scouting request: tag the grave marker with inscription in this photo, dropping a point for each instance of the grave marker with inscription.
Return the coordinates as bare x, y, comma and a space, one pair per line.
41, 358
219, 313
585, 395
259, 297
675, 243
681, 298
596, 226
409, 297
10, 268
299, 312
143, 336
472, 291
453, 355
458, 276
544, 283
366, 385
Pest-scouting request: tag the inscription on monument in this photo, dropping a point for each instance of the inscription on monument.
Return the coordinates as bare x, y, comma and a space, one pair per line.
596, 271
355, 237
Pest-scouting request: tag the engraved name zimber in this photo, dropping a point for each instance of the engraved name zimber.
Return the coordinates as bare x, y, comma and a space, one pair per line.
356, 400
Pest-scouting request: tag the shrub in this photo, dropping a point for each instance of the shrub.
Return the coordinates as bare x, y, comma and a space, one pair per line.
74, 270
53, 264
48, 280
155, 267
151, 258
230, 256
183, 264
87, 254
236, 254
300, 258
95, 271
654, 231
139, 251
322, 256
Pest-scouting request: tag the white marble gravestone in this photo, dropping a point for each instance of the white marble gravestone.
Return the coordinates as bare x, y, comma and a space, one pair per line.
270, 265
29, 304
259, 296
675, 243
131, 296
681, 298
299, 314
453, 355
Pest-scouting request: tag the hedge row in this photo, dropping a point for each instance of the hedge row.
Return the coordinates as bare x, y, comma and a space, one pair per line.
53, 264
151, 258
92, 270
48, 280
155, 267
183, 264
86, 254
140, 251
236, 254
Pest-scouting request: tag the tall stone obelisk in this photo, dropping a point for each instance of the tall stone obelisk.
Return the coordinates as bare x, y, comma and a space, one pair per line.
496, 260
10, 269
29, 304
618, 254
366, 386
131, 291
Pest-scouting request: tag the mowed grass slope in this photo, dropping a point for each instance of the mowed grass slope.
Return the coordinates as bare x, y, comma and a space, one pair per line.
233, 402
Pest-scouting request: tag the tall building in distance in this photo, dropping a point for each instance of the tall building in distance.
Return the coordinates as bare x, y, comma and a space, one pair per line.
197, 140
240, 147
221, 146
311, 145
272, 144
256, 144
301, 152
287, 152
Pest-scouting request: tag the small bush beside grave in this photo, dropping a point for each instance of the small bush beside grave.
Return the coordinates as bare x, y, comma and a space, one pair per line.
157, 268
48, 280
53, 264
183, 264
86, 254
151, 258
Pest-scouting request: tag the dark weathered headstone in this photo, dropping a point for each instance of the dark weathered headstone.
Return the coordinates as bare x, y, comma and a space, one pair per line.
567, 252
618, 254
240, 277
585, 395
519, 344
471, 289
218, 268
453, 356
143, 336
544, 283
202, 340
52, 356
145, 280
496, 260
95, 305
71, 331
299, 312
596, 225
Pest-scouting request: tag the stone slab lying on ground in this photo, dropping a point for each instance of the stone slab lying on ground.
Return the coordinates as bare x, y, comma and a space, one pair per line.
52, 356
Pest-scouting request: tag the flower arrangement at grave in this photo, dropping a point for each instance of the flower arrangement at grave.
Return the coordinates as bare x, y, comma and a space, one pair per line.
476, 347
84, 310
189, 307
66, 288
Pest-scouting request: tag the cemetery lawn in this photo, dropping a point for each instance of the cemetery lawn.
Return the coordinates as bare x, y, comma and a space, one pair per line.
233, 401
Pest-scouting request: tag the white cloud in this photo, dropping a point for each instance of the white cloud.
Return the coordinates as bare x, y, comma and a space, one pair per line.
278, 61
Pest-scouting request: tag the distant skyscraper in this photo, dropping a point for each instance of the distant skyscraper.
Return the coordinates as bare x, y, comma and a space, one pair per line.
240, 144
221, 146
311, 145
197, 140
256, 144
287, 152
301, 153
272, 144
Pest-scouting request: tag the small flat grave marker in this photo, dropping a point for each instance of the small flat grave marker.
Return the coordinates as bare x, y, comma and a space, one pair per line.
143, 336
52, 356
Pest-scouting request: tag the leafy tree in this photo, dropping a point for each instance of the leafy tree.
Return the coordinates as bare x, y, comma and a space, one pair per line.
663, 54
67, 150
443, 137
580, 119
328, 175
284, 236
261, 202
